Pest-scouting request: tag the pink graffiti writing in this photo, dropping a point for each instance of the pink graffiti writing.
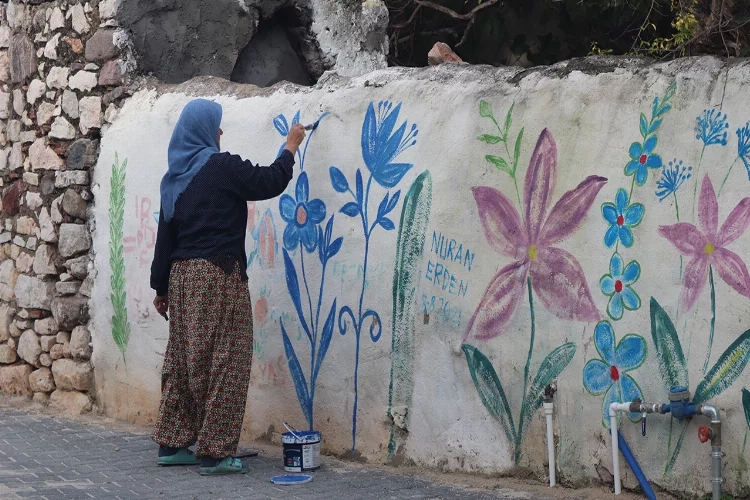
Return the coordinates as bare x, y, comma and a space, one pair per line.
145, 238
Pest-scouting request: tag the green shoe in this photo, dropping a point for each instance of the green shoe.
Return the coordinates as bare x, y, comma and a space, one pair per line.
182, 457
229, 465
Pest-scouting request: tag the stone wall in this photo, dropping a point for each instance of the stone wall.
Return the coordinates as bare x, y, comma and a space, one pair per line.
61, 82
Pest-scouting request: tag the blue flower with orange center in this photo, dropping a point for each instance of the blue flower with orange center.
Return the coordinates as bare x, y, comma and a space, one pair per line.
642, 158
609, 375
302, 216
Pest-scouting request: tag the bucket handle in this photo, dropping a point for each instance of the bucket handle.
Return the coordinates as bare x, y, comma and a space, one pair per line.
292, 430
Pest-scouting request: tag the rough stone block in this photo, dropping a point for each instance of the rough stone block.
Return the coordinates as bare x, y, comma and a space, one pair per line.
71, 178
80, 343
70, 312
101, 47
23, 61
46, 326
82, 154
34, 293
73, 204
74, 239
14, 380
74, 403
71, 375
41, 380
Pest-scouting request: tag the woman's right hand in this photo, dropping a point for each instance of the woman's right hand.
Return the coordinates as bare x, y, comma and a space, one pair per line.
295, 138
161, 304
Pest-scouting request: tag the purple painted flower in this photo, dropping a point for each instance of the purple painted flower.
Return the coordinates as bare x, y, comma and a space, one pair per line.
707, 245
557, 277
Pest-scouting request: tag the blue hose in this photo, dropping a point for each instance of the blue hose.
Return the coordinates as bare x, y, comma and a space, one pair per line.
630, 459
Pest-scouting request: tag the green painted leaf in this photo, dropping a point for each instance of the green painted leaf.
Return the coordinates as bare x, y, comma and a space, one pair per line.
676, 451
550, 369
746, 404
727, 369
517, 151
415, 216
490, 390
120, 323
509, 119
668, 348
644, 125
500, 163
485, 109
671, 91
490, 139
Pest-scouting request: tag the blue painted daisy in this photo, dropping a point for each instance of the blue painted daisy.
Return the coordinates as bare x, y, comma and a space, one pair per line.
621, 218
642, 158
302, 216
609, 375
617, 286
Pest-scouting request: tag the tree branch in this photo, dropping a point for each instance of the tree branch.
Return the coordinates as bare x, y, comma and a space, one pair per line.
463, 17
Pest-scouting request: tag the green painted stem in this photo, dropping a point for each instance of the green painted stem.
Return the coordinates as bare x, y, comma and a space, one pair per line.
727, 176
744, 444
531, 341
632, 187
695, 185
713, 317
677, 211
518, 195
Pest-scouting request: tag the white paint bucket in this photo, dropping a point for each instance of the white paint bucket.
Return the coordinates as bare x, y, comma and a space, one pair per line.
301, 449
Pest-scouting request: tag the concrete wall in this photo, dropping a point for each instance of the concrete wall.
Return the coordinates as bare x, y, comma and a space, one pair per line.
472, 183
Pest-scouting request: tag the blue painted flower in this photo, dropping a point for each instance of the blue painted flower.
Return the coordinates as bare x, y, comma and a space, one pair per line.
609, 375
621, 217
302, 216
381, 145
712, 127
616, 285
642, 158
743, 146
282, 125
672, 177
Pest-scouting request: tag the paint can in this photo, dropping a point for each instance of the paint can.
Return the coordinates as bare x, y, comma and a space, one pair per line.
301, 449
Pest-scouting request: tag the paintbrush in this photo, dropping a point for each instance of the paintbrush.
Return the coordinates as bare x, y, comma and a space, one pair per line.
314, 125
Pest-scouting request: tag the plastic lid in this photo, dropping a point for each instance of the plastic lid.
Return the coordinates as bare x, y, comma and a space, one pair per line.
290, 479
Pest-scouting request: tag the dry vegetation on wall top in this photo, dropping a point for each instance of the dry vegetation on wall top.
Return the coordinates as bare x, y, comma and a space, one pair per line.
535, 32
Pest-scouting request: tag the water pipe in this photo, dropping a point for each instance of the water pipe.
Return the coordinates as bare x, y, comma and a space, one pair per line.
549, 406
613, 409
639, 475
714, 434
681, 407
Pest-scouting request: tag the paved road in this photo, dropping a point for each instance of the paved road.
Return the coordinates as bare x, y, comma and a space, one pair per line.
50, 458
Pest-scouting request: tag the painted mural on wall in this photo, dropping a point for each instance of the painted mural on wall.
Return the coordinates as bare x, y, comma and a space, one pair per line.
120, 323
383, 139
554, 277
527, 235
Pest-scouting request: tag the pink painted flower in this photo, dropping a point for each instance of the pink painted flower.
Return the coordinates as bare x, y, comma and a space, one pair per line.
556, 276
707, 246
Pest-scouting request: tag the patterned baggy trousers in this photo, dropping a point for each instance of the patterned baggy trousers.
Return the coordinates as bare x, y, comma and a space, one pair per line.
206, 371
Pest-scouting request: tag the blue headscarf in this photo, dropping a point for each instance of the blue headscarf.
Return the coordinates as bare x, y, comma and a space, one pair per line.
193, 143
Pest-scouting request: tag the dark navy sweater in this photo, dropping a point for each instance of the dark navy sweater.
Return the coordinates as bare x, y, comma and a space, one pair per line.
210, 216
